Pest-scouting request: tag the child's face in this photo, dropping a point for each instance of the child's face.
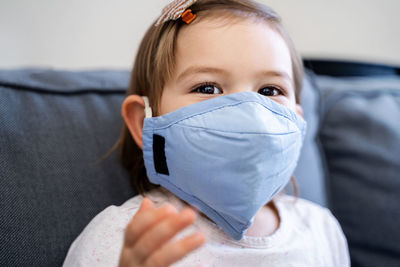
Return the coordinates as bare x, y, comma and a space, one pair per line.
215, 58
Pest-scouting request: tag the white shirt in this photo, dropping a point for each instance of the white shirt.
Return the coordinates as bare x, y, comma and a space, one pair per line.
308, 235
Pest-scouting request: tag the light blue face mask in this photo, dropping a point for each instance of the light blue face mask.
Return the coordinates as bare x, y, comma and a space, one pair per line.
227, 156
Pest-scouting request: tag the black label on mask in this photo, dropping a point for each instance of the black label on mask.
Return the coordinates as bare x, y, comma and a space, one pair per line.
160, 162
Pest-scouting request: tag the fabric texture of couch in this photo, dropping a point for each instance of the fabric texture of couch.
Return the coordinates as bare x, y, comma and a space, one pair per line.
54, 129
55, 126
360, 137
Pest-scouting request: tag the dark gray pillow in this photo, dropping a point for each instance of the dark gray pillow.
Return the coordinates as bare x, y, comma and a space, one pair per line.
360, 136
54, 128
309, 172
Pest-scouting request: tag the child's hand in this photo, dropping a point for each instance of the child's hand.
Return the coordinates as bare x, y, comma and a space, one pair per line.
147, 235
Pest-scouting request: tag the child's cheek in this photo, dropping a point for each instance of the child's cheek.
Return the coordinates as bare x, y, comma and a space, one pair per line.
289, 103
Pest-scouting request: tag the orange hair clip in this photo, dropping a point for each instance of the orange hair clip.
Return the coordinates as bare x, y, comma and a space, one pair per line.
188, 16
175, 10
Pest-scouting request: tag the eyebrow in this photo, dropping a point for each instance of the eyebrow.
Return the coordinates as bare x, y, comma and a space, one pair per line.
200, 69
204, 69
274, 73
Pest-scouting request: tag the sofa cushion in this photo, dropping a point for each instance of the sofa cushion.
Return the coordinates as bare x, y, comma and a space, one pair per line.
54, 129
309, 172
360, 136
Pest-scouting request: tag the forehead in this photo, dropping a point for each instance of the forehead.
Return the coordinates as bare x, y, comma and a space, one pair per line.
232, 44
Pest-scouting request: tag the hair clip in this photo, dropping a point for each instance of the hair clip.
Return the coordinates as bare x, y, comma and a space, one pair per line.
175, 10
188, 16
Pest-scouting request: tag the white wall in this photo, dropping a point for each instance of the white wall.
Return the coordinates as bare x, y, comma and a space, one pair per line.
82, 34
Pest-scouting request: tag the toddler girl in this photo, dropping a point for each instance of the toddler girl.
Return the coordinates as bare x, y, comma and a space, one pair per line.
213, 121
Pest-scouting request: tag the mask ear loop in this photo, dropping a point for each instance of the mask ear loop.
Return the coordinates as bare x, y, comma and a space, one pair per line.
147, 109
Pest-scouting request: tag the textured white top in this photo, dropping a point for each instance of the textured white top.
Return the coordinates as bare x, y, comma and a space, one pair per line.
308, 235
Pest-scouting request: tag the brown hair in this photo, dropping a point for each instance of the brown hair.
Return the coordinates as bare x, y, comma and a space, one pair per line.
155, 61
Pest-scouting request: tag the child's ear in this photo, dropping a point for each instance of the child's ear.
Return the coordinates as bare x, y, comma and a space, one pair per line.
133, 113
299, 110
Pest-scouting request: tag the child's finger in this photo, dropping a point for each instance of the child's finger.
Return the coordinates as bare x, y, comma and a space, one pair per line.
144, 221
162, 233
146, 205
175, 251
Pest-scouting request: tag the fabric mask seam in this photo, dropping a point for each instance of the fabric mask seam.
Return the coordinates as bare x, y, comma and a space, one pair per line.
249, 133
291, 118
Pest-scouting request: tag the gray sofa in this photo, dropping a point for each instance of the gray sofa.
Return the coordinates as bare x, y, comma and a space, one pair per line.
55, 126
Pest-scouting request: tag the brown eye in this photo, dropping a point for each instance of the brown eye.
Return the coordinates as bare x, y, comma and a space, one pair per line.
270, 91
207, 89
